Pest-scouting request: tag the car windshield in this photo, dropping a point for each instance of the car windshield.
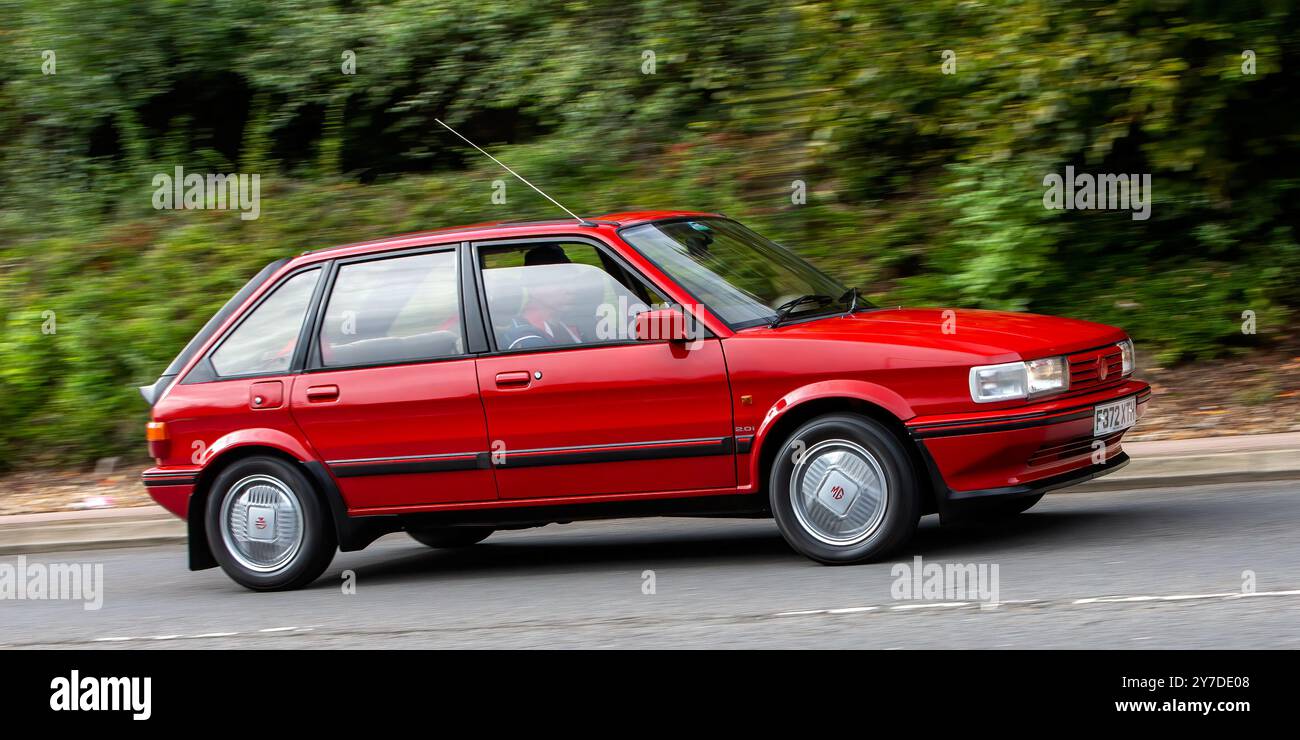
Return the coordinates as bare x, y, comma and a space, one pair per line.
744, 278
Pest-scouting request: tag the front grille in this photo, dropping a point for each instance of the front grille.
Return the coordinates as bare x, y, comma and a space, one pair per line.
1085, 370
1074, 448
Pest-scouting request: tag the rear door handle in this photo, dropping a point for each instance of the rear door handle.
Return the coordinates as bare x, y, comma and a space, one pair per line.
517, 379
319, 393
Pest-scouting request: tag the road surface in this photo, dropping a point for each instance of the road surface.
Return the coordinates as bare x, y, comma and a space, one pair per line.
1157, 568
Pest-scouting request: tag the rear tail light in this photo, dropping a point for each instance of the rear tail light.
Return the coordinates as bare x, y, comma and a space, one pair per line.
155, 432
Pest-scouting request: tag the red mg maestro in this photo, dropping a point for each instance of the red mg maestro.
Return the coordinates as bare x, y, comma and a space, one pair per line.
502, 376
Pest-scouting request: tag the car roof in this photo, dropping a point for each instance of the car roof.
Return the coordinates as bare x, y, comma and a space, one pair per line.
497, 230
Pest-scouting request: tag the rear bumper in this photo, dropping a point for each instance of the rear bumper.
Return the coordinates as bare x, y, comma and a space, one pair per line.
1025, 450
171, 488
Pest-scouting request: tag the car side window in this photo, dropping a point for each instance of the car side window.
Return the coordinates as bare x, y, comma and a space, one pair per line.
265, 341
395, 309
554, 294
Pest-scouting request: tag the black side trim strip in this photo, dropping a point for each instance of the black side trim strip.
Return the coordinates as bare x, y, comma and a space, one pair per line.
916, 428
541, 458
721, 446
744, 445
405, 467
154, 481
1001, 427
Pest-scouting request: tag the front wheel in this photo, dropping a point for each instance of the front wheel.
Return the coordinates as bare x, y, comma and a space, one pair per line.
842, 490
267, 528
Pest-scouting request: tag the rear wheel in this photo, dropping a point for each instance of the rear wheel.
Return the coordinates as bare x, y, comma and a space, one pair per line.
450, 536
842, 490
266, 526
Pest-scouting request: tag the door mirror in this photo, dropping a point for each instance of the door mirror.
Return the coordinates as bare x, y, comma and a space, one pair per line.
660, 324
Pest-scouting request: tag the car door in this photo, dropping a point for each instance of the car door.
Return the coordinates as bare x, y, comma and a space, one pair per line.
390, 397
576, 406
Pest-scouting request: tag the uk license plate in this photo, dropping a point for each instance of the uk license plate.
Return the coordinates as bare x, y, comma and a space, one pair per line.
1109, 418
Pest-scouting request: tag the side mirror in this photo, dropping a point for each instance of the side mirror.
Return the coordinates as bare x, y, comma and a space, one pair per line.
660, 324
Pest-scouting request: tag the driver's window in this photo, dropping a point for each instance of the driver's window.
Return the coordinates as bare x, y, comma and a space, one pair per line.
265, 341
556, 294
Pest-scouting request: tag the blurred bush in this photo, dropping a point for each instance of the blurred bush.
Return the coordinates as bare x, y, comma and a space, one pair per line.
922, 186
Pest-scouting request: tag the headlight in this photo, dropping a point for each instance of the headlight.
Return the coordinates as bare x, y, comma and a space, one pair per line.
998, 382
1011, 380
1126, 356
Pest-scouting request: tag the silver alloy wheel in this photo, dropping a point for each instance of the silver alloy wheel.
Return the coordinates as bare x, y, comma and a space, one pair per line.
262, 523
839, 492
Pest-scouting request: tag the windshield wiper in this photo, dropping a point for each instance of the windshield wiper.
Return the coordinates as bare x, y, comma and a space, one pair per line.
784, 310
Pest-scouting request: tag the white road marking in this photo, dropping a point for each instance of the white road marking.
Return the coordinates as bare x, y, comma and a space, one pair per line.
204, 635
982, 606
1265, 593
1115, 599
988, 606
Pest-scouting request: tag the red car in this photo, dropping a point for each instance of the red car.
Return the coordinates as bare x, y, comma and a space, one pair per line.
510, 375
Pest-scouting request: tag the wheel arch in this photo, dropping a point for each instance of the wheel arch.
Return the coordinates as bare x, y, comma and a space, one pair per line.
864, 399
226, 453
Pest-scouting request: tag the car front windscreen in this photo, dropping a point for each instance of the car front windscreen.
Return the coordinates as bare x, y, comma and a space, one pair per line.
742, 277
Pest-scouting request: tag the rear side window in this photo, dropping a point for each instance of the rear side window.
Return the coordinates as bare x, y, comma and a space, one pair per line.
265, 341
397, 309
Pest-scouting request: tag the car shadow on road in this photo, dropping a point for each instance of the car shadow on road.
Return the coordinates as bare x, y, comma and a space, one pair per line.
1029, 531
612, 550
736, 543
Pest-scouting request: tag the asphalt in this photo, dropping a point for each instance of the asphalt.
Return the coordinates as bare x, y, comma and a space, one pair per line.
1177, 555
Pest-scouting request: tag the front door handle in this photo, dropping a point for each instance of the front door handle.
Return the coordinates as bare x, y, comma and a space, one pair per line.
517, 379
320, 393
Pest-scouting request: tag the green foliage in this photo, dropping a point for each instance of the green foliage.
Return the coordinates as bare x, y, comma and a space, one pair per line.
923, 187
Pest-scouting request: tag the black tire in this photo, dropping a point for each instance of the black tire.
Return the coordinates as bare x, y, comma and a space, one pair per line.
451, 536
315, 549
894, 526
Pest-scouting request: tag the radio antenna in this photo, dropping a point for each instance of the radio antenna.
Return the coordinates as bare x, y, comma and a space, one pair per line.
581, 221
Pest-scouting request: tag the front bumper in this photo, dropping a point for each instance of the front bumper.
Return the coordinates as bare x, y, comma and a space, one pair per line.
1025, 450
